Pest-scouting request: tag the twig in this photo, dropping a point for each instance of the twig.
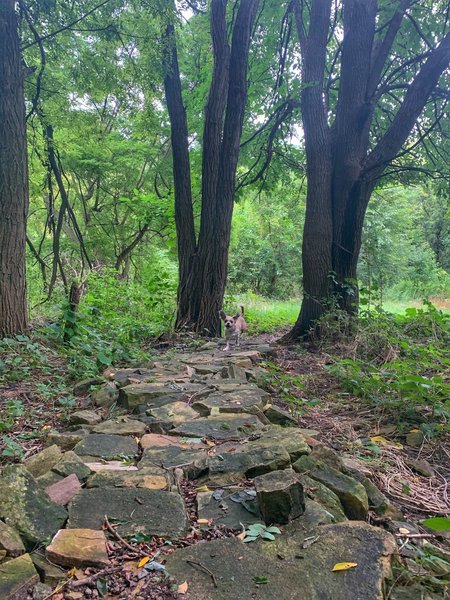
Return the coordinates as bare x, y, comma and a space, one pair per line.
213, 577
91, 578
111, 529
415, 535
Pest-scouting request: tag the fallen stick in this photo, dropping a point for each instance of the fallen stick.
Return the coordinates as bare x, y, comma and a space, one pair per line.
92, 578
213, 577
111, 529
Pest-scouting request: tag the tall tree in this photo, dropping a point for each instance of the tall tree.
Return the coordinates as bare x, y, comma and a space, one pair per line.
13, 177
355, 67
203, 260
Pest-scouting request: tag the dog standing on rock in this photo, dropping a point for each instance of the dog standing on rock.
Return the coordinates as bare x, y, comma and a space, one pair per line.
234, 327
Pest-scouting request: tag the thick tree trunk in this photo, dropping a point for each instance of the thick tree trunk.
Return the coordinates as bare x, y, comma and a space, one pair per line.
203, 266
13, 177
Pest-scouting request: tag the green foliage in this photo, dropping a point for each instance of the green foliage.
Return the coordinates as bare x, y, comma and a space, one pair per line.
399, 362
259, 530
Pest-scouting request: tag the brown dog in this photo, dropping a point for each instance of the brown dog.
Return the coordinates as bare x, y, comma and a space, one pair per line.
234, 327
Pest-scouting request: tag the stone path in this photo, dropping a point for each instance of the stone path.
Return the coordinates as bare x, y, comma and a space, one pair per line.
199, 416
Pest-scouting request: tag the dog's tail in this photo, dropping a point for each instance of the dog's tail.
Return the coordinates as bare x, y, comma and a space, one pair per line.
242, 310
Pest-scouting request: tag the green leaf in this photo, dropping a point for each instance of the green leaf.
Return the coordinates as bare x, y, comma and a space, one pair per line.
261, 579
102, 587
437, 523
267, 536
250, 538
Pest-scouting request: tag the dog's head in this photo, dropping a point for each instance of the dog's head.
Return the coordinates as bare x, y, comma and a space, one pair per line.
229, 322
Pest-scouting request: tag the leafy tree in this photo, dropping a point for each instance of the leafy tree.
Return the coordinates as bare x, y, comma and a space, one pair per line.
369, 71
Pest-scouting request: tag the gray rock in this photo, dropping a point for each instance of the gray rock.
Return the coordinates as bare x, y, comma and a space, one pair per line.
278, 416
71, 464
280, 496
26, 507
293, 441
43, 461
238, 401
228, 468
328, 456
42, 591
232, 507
122, 376
17, 576
192, 462
152, 512
121, 426
84, 417
319, 493
106, 396
49, 574
66, 440
350, 492
109, 447
421, 466
229, 427
63, 491
83, 387
174, 413
378, 502
151, 478
10, 541
315, 514
415, 438
152, 394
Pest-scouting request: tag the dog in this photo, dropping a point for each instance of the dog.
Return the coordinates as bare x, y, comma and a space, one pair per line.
234, 327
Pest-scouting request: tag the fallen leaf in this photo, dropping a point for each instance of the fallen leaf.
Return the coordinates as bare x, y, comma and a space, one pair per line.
71, 572
404, 530
182, 588
203, 521
143, 561
202, 488
241, 536
344, 566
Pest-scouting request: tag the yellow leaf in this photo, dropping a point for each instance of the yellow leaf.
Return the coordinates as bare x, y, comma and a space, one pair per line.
202, 488
210, 443
143, 561
182, 588
203, 521
379, 439
413, 430
71, 572
45, 427
344, 566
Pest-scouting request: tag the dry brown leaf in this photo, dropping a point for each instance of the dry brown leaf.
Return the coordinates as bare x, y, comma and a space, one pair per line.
183, 587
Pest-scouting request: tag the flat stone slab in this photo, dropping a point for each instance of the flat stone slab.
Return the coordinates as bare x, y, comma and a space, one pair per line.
84, 417
43, 461
239, 401
156, 439
318, 492
49, 573
279, 416
26, 507
10, 541
230, 427
175, 413
63, 491
78, 548
152, 512
232, 507
232, 467
71, 464
105, 446
121, 426
16, 577
292, 441
66, 440
150, 478
152, 394
111, 465
122, 376
192, 462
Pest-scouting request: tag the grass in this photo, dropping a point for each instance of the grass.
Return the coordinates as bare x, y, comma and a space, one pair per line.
265, 316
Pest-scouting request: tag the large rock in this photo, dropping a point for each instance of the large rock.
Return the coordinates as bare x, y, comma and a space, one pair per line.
121, 426
318, 492
84, 417
279, 416
71, 464
350, 492
48, 572
231, 467
280, 496
155, 439
105, 396
150, 478
124, 377
291, 440
109, 447
66, 440
27, 508
17, 576
43, 461
229, 427
152, 512
63, 491
153, 394
174, 413
78, 548
240, 401
192, 462
232, 507
10, 541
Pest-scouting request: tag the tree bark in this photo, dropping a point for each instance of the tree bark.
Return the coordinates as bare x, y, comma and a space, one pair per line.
13, 177
204, 262
341, 171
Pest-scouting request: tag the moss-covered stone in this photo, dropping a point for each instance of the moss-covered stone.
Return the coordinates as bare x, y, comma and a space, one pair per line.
280, 496
17, 576
10, 541
71, 464
109, 447
43, 461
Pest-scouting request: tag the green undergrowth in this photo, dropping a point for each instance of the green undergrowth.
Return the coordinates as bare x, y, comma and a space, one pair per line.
265, 315
398, 363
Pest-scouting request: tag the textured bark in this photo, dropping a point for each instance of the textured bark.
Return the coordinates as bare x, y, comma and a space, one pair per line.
341, 171
13, 177
204, 262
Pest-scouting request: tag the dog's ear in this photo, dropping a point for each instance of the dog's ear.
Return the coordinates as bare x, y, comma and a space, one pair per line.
222, 315
237, 315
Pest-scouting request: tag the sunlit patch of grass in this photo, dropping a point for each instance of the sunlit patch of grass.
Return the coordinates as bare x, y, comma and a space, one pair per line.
266, 315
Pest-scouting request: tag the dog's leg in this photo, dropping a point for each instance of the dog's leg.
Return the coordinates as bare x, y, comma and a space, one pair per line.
227, 347
238, 339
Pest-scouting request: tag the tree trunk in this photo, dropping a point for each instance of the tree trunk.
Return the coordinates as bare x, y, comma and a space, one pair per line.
203, 265
13, 177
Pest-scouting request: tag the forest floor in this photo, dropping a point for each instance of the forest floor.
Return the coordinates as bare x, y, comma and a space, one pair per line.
410, 469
